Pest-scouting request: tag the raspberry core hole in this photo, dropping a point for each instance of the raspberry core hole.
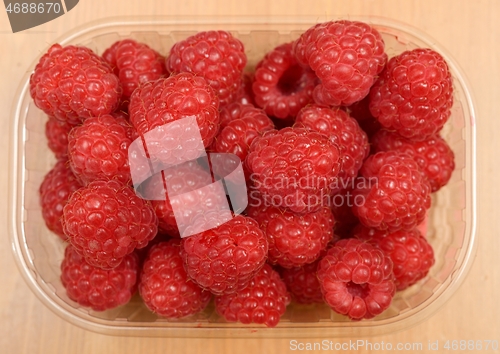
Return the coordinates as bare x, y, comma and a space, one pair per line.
291, 80
359, 290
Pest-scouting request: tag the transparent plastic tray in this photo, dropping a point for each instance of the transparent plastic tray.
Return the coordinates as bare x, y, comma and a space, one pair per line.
38, 253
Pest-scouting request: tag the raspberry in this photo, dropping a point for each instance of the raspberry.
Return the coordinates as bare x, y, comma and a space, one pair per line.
414, 94
303, 284
154, 104
433, 155
164, 285
215, 55
55, 190
361, 112
57, 133
106, 220
73, 83
237, 110
98, 288
263, 301
224, 259
236, 135
395, 194
134, 63
294, 239
346, 56
343, 131
294, 168
409, 251
185, 178
281, 86
356, 279
98, 149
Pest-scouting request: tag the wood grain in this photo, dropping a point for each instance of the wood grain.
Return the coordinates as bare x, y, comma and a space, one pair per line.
469, 30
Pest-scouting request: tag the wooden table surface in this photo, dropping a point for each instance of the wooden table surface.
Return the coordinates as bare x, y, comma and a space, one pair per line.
468, 29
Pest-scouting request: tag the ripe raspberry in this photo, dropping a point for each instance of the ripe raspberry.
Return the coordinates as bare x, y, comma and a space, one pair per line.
343, 131
356, 279
281, 86
106, 220
98, 288
303, 284
294, 239
237, 110
73, 83
346, 56
361, 112
215, 55
414, 94
224, 259
164, 285
263, 301
294, 167
186, 178
57, 133
396, 195
134, 63
98, 149
433, 155
409, 251
154, 104
55, 190
236, 135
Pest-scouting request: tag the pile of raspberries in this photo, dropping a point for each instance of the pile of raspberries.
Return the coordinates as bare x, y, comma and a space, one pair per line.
340, 149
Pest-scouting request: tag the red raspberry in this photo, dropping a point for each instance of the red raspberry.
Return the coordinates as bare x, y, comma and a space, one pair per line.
98, 288
73, 83
395, 194
236, 135
263, 301
303, 284
134, 63
106, 220
186, 178
164, 285
224, 259
356, 279
156, 103
343, 131
55, 190
361, 112
294, 168
409, 251
433, 155
215, 55
98, 149
347, 56
281, 86
414, 94
57, 133
294, 239
237, 110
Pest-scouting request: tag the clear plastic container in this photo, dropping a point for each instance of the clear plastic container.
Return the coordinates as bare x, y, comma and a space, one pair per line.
38, 253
